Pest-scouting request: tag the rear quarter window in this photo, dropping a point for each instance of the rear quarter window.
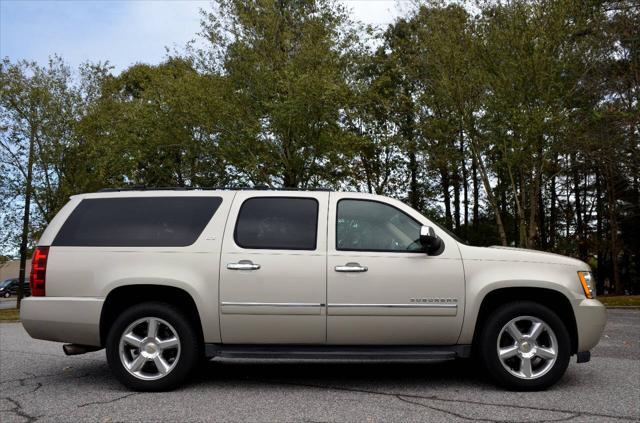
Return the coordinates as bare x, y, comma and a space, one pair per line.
137, 222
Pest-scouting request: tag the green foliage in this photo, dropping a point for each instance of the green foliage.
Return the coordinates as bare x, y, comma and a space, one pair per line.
507, 122
285, 69
155, 126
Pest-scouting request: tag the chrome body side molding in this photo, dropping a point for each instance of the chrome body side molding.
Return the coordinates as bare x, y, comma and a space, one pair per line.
240, 307
416, 309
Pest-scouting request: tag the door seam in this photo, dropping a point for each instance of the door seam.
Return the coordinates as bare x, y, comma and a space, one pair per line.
224, 231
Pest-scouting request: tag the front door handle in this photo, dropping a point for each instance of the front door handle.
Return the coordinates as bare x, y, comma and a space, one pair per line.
351, 267
243, 265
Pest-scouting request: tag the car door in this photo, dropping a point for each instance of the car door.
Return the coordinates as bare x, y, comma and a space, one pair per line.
14, 287
273, 269
381, 288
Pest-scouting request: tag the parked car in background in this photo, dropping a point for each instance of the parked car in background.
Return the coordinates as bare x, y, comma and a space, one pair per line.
166, 278
9, 287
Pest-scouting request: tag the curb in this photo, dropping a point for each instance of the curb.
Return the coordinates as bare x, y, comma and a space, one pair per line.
623, 307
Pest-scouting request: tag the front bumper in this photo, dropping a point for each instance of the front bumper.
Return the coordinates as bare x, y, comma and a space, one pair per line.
591, 316
63, 319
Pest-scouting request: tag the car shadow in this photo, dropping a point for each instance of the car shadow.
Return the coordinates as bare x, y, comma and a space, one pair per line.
339, 373
352, 375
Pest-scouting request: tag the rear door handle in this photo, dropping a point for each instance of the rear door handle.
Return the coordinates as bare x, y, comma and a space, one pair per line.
243, 265
351, 267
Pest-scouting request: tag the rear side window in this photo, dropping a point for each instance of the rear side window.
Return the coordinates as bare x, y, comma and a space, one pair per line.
137, 222
277, 223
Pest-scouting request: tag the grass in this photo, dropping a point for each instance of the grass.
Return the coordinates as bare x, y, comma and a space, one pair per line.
620, 300
10, 315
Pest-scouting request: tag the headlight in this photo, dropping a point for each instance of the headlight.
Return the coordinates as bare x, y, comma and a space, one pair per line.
587, 281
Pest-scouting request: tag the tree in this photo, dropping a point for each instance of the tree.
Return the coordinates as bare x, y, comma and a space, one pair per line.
508, 122
36, 115
535, 58
285, 66
155, 126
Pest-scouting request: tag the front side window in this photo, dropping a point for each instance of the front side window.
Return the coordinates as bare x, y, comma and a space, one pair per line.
137, 222
363, 225
277, 223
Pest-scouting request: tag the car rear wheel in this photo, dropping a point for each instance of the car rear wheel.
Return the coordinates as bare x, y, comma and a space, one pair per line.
525, 346
152, 347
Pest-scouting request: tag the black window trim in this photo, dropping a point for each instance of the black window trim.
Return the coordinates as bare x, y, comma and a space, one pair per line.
373, 250
315, 232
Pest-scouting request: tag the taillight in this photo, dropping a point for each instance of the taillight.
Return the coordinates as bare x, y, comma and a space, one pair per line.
38, 271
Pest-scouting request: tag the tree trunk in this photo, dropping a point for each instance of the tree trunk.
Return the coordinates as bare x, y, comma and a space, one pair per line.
414, 190
613, 226
553, 213
25, 221
289, 180
542, 224
414, 195
456, 199
534, 193
599, 241
521, 204
578, 209
490, 196
465, 185
444, 176
476, 193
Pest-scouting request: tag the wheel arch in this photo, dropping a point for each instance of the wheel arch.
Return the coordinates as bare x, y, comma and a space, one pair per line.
125, 296
553, 299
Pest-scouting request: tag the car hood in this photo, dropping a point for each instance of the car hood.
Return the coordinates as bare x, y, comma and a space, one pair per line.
510, 254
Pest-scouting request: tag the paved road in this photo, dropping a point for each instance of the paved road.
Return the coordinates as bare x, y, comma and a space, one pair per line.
37, 382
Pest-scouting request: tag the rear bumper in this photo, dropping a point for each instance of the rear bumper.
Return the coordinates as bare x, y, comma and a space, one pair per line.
591, 316
63, 319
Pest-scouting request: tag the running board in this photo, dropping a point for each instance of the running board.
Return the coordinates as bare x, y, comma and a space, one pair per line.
338, 352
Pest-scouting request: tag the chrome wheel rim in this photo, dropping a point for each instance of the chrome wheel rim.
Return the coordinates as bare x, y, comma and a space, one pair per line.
527, 347
149, 348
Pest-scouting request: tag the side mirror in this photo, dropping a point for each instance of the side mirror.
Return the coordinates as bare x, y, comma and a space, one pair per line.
431, 243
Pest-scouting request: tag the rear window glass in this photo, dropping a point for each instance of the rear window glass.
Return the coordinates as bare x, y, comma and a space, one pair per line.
277, 223
137, 222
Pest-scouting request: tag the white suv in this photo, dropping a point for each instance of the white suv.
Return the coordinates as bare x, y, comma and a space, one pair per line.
163, 279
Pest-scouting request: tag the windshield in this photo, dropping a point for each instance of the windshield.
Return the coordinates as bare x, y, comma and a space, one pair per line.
5, 283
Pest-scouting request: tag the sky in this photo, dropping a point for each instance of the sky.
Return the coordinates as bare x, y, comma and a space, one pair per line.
123, 32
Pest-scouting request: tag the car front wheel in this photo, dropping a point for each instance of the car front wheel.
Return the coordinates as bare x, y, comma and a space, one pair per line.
152, 347
525, 346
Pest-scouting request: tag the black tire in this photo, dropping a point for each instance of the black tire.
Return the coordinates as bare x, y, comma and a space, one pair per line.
191, 348
488, 342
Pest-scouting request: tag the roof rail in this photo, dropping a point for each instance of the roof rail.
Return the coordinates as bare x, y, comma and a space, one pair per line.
230, 188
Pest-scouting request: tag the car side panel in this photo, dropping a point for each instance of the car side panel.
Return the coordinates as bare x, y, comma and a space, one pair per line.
81, 272
375, 307
484, 276
63, 319
282, 302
